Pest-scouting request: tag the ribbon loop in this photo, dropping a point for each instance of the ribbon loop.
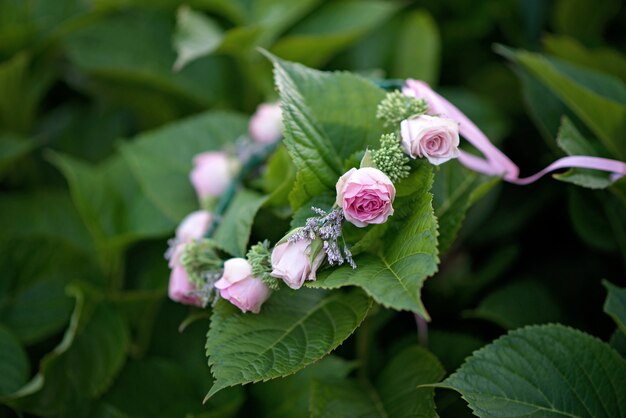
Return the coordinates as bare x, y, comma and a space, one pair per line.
496, 163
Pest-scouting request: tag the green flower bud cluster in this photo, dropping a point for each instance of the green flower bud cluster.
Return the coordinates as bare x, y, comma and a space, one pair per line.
396, 107
390, 158
260, 258
201, 262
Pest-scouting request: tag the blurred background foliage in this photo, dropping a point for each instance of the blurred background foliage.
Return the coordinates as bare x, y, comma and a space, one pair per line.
92, 91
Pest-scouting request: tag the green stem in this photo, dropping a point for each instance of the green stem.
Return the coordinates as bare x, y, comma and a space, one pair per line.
225, 200
363, 342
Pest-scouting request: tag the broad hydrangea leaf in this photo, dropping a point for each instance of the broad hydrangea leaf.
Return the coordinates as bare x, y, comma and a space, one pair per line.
293, 330
615, 304
289, 397
327, 117
93, 348
161, 160
394, 393
546, 371
233, 232
518, 304
394, 277
110, 202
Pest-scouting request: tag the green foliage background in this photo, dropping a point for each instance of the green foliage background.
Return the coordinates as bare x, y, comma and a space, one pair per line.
103, 104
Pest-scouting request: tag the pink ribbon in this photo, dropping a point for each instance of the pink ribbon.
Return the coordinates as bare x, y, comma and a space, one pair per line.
495, 162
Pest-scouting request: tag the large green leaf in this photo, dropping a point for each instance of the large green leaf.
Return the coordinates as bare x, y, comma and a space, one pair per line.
323, 125
161, 388
293, 330
13, 363
128, 59
110, 202
289, 397
547, 371
417, 54
395, 276
615, 304
51, 215
603, 59
161, 160
393, 394
82, 365
233, 232
518, 304
598, 100
331, 29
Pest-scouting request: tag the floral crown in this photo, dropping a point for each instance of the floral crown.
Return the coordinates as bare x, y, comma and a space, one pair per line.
376, 187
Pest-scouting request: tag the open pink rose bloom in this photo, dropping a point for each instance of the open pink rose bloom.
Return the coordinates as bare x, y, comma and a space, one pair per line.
366, 196
431, 137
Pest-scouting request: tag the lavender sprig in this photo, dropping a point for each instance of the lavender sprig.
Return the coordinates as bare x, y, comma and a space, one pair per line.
328, 228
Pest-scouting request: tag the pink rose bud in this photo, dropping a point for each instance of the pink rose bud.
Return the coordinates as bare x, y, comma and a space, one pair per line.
240, 287
180, 288
432, 137
194, 226
366, 196
211, 174
293, 262
266, 125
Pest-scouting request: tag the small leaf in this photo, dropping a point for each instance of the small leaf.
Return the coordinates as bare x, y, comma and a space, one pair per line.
196, 35
571, 141
293, 330
13, 363
548, 371
615, 304
395, 392
233, 232
395, 277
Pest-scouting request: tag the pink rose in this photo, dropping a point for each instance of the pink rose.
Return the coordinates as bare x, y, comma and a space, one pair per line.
180, 288
240, 287
266, 125
292, 262
366, 196
194, 226
211, 174
432, 137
